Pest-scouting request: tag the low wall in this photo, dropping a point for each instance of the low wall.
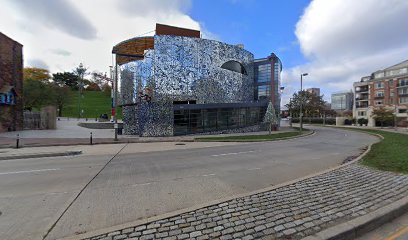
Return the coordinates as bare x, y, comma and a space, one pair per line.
45, 119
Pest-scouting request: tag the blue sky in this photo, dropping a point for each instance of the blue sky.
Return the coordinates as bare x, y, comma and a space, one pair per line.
262, 26
335, 41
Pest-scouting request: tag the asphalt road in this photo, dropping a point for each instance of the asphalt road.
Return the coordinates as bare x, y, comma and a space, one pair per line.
147, 180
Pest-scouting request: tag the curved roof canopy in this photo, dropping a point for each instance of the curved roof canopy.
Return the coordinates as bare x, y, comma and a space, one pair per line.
132, 49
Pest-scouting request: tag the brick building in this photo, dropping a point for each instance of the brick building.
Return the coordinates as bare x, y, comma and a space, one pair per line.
11, 84
388, 88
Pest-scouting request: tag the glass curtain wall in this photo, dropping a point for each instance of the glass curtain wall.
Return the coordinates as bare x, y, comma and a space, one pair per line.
263, 79
207, 120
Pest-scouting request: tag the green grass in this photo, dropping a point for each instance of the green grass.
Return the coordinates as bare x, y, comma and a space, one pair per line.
93, 103
250, 138
390, 154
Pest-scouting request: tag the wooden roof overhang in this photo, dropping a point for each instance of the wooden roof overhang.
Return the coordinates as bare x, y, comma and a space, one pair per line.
132, 49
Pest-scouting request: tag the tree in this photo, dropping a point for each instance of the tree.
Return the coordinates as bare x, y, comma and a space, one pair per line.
36, 74
382, 115
81, 72
37, 94
313, 105
66, 79
92, 86
62, 95
107, 89
270, 117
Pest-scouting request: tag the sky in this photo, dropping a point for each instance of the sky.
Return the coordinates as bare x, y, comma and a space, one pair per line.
336, 42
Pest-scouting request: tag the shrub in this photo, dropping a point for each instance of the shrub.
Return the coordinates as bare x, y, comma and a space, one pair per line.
362, 121
347, 122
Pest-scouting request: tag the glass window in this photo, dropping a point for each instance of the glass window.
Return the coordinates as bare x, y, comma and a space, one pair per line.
362, 113
379, 93
403, 100
403, 91
403, 82
264, 91
264, 73
378, 85
379, 75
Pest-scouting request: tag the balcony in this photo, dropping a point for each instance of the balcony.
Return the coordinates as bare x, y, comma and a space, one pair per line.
362, 98
362, 105
379, 97
361, 89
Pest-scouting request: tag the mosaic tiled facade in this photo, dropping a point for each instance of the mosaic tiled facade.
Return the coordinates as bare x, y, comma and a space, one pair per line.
181, 69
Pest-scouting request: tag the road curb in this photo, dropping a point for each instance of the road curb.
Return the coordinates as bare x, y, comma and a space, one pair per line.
98, 143
311, 132
211, 203
361, 225
39, 155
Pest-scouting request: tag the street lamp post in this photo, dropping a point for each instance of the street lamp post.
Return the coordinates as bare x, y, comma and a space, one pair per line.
115, 100
395, 117
280, 104
290, 112
301, 102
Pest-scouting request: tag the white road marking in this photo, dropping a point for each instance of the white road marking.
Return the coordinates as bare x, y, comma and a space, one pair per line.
142, 184
251, 169
208, 175
55, 193
30, 171
226, 154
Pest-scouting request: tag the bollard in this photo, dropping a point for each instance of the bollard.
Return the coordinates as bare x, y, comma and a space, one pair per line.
18, 141
90, 139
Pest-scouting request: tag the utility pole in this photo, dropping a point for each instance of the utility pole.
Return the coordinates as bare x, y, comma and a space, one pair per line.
115, 101
81, 79
395, 117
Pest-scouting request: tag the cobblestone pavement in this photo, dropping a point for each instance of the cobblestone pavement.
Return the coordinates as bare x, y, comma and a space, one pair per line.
289, 212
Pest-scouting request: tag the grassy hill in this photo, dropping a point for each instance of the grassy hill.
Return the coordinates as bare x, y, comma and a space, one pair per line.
93, 103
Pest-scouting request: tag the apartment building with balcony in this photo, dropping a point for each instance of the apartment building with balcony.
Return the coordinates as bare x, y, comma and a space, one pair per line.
387, 88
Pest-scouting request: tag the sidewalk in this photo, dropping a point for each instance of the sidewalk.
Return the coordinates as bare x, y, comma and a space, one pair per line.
387, 129
292, 211
69, 133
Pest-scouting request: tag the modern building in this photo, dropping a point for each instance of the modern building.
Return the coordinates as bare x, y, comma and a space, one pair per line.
315, 91
176, 83
387, 88
267, 73
11, 84
342, 101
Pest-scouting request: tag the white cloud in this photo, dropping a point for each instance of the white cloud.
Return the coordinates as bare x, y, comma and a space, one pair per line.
37, 63
151, 7
60, 14
345, 40
62, 50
